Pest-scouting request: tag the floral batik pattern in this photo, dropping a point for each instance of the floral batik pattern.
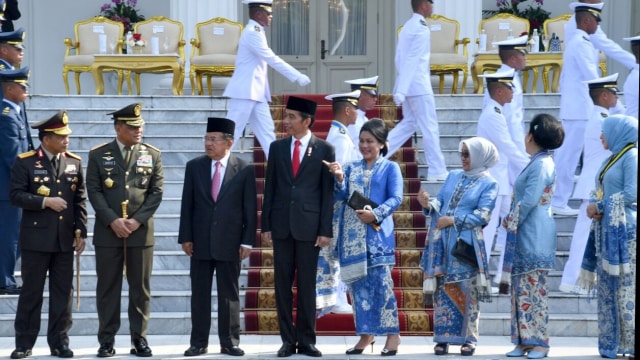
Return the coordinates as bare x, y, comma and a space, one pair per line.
529, 309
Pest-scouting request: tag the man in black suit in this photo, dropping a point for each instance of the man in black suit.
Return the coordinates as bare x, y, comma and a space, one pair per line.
296, 219
217, 230
48, 185
11, 13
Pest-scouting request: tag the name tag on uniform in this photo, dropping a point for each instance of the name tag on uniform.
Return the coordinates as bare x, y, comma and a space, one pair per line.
71, 169
144, 160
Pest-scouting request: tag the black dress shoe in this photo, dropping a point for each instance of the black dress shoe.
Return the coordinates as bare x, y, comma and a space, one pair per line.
309, 350
10, 290
286, 350
62, 351
139, 347
231, 350
106, 350
20, 353
195, 351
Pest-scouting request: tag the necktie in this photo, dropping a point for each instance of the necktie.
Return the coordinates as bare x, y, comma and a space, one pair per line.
127, 154
295, 161
54, 164
215, 184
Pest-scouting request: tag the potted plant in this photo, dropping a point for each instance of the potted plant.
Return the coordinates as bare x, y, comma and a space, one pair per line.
534, 12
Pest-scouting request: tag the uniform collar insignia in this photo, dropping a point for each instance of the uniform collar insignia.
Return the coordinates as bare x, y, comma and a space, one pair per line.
586, 38
497, 109
604, 115
423, 22
256, 28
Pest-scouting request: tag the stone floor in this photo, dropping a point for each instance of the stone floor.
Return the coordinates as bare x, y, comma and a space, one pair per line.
332, 347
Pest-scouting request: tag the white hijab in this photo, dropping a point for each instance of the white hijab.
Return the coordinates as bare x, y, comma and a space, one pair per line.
482, 153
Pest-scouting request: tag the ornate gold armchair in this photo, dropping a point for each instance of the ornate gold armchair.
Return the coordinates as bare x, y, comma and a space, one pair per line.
170, 34
86, 44
213, 51
445, 57
497, 28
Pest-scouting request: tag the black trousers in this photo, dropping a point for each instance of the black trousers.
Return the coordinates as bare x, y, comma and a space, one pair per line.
290, 256
226, 273
35, 265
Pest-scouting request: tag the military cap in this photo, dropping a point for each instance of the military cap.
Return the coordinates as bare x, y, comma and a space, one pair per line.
15, 38
302, 105
635, 41
608, 82
57, 124
3, 7
519, 43
263, 4
505, 77
351, 97
130, 114
369, 85
222, 125
18, 76
593, 9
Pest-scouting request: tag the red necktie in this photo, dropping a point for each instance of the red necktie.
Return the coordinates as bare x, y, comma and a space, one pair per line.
215, 184
295, 161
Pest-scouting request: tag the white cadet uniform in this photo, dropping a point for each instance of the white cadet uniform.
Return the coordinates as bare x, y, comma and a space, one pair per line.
594, 155
630, 89
413, 82
339, 137
492, 125
354, 129
248, 88
580, 62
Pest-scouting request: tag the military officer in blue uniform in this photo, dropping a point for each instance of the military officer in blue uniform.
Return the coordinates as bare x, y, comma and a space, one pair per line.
14, 140
368, 98
48, 184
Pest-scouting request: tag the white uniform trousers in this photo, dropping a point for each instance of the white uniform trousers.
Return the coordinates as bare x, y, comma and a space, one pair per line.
258, 115
419, 112
576, 251
566, 158
503, 205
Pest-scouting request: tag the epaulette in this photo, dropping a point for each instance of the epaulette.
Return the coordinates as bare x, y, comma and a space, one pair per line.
151, 147
343, 131
27, 154
72, 155
99, 146
6, 110
604, 115
497, 109
256, 28
423, 22
2, 67
586, 38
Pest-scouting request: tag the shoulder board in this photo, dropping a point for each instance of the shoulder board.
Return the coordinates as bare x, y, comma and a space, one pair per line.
497, 109
151, 147
99, 146
6, 110
586, 38
422, 22
72, 155
604, 115
2, 67
27, 154
343, 131
256, 28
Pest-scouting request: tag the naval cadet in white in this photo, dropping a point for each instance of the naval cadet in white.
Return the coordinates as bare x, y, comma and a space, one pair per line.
368, 98
248, 87
345, 113
413, 90
492, 125
580, 63
603, 92
513, 55
631, 85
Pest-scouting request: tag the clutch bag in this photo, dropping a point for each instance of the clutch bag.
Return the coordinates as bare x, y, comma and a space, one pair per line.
357, 201
465, 253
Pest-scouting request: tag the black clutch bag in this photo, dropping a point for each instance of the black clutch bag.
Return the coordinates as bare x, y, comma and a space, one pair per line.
463, 251
357, 201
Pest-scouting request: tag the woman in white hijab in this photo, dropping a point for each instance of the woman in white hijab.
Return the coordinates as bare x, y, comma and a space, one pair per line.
460, 211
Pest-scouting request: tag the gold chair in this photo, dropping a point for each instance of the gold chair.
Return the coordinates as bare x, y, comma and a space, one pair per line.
86, 45
445, 58
170, 35
497, 27
213, 51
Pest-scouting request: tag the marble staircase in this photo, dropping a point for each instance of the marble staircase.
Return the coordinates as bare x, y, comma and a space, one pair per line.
176, 126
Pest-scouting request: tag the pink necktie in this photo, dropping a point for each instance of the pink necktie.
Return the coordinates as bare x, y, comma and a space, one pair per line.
215, 184
295, 161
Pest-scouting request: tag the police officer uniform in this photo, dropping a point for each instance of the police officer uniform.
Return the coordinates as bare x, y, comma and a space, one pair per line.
47, 236
14, 139
112, 180
413, 91
631, 85
580, 63
492, 125
248, 87
370, 86
593, 156
339, 137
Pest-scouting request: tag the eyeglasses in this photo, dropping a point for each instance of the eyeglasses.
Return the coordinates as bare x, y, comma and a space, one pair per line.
464, 154
214, 139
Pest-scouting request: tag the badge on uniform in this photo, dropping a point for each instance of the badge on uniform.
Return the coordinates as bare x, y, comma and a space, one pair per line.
144, 160
497, 109
257, 28
71, 169
43, 191
108, 182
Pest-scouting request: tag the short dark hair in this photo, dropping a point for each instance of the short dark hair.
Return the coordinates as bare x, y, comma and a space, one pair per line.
415, 4
547, 131
304, 115
595, 94
378, 129
339, 106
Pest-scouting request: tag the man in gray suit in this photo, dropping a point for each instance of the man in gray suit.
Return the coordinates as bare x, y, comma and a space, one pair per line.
217, 230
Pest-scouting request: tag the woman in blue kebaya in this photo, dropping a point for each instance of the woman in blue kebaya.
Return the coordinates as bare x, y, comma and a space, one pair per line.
530, 250
461, 209
366, 241
610, 255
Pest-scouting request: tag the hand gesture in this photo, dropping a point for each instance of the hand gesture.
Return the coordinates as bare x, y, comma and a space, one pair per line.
303, 80
335, 169
423, 199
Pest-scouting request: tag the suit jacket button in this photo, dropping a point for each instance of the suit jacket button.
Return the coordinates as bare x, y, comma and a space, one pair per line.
59, 193
61, 217
126, 186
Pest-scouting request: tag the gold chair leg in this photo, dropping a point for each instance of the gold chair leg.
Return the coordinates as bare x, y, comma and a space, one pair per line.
209, 85
77, 82
454, 87
138, 83
525, 80
127, 75
465, 74
441, 83
65, 79
199, 83
120, 81
192, 81
545, 78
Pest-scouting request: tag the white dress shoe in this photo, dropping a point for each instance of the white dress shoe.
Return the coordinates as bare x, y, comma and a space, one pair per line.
565, 211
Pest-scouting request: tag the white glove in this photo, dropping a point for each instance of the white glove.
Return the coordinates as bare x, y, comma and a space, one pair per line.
398, 98
303, 80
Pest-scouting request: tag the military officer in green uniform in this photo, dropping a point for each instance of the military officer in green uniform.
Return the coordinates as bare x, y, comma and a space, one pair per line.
124, 183
47, 184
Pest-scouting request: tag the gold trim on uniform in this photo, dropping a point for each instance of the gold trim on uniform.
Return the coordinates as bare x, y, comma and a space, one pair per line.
27, 154
43, 191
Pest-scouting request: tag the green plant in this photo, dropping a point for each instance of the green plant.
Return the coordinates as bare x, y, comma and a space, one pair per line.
123, 11
535, 14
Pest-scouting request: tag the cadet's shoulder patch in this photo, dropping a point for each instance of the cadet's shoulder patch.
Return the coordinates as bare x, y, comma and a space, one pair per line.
604, 115
6, 110
256, 28
27, 154
343, 131
497, 109
151, 147
422, 22
99, 146
586, 38
72, 155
